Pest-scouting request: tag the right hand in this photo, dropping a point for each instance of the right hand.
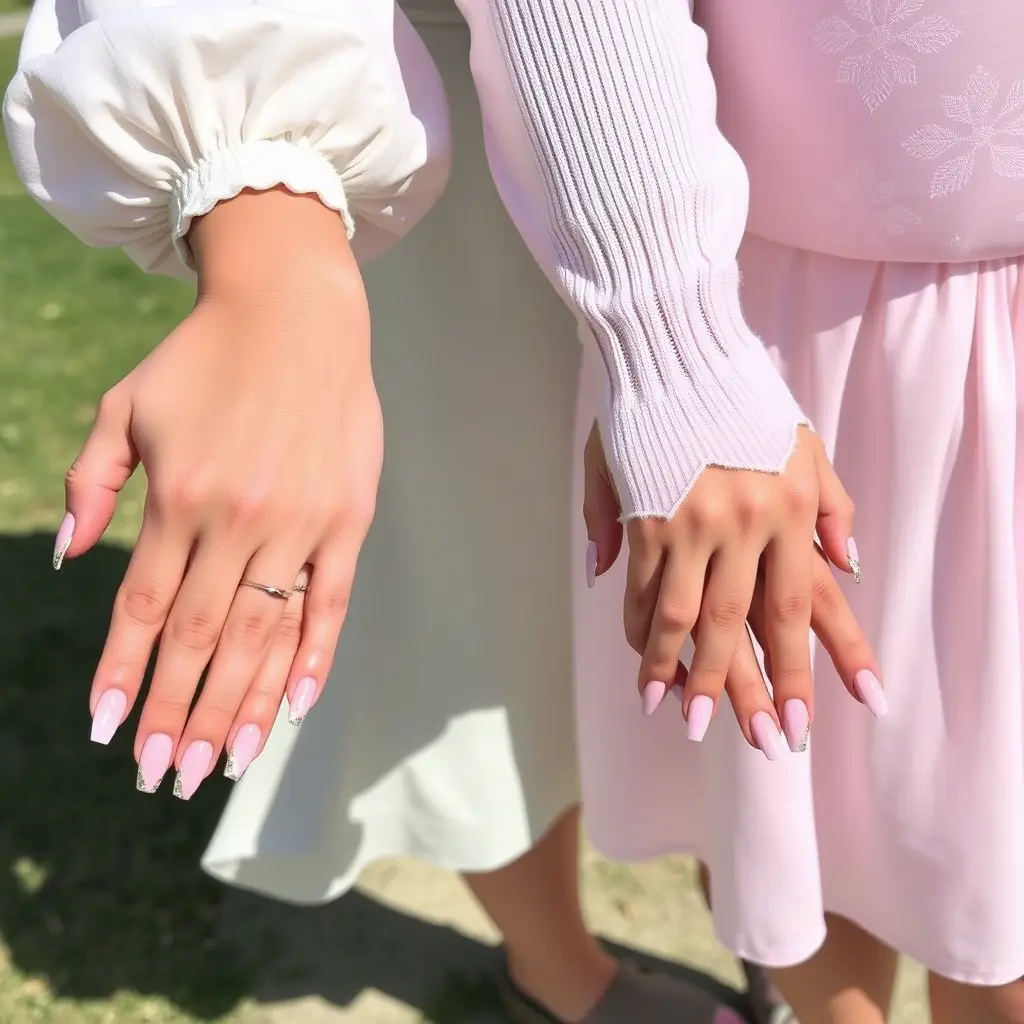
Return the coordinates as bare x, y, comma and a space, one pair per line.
259, 428
696, 574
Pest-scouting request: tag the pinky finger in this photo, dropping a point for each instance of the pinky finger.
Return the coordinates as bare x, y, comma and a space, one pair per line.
326, 607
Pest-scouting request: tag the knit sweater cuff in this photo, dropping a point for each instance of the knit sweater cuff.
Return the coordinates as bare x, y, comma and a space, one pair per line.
657, 449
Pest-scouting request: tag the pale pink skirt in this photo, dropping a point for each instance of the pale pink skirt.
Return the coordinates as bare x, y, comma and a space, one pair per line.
912, 826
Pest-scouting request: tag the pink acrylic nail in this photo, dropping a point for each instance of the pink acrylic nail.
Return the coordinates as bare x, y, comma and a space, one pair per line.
302, 700
698, 717
591, 564
653, 695
194, 767
63, 541
870, 691
243, 750
796, 725
766, 735
109, 714
853, 557
154, 761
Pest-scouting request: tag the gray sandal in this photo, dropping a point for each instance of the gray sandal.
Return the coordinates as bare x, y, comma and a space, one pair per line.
633, 997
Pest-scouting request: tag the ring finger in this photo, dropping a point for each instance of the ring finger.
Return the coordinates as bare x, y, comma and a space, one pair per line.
250, 626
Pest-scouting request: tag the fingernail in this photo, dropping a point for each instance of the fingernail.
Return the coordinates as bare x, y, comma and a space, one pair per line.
305, 694
653, 695
591, 564
853, 557
63, 542
766, 735
870, 691
154, 761
194, 767
698, 717
108, 716
796, 724
243, 750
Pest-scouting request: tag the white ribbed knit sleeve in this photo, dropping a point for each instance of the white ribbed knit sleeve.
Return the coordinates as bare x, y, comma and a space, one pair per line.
127, 118
635, 204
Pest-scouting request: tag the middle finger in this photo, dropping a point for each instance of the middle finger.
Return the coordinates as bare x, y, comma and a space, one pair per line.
187, 643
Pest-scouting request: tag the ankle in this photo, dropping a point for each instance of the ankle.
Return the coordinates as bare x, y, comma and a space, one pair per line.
567, 986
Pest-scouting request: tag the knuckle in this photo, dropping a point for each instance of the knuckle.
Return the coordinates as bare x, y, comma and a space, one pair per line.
143, 606
726, 613
752, 508
195, 631
360, 510
706, 516
169, 705
217, 714
244, 508
251, 630
800, 497
72, 475
289, 630
333, 603
674, 617
824, 591
181, 495
791, 606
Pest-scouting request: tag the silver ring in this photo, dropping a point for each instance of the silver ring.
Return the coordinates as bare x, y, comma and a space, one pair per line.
266, 588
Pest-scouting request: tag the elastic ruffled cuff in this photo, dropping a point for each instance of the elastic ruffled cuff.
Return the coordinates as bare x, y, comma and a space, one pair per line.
657, 451
257, 165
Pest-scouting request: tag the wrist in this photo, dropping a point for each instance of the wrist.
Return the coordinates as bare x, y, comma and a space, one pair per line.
269, 242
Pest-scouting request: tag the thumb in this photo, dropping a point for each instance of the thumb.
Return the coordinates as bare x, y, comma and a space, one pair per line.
600, 511
106, 461
835, 518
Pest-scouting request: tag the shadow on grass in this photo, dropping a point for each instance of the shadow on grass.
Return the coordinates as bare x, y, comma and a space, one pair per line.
101, 890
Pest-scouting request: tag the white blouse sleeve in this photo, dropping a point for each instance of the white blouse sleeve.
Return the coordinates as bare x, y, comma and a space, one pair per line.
128, 118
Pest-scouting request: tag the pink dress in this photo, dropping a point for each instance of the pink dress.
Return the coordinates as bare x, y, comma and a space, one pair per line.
881, 146
884, 140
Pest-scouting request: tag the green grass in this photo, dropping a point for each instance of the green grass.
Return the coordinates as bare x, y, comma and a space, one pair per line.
105, 917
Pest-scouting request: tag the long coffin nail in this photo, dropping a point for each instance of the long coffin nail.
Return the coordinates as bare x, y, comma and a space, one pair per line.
243, 750
698, 717
766, 735
591, 564
653, 695
853, 557
154, 761
870, 691
109, 714
302, 702
63, 541
195, 766
796, 723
